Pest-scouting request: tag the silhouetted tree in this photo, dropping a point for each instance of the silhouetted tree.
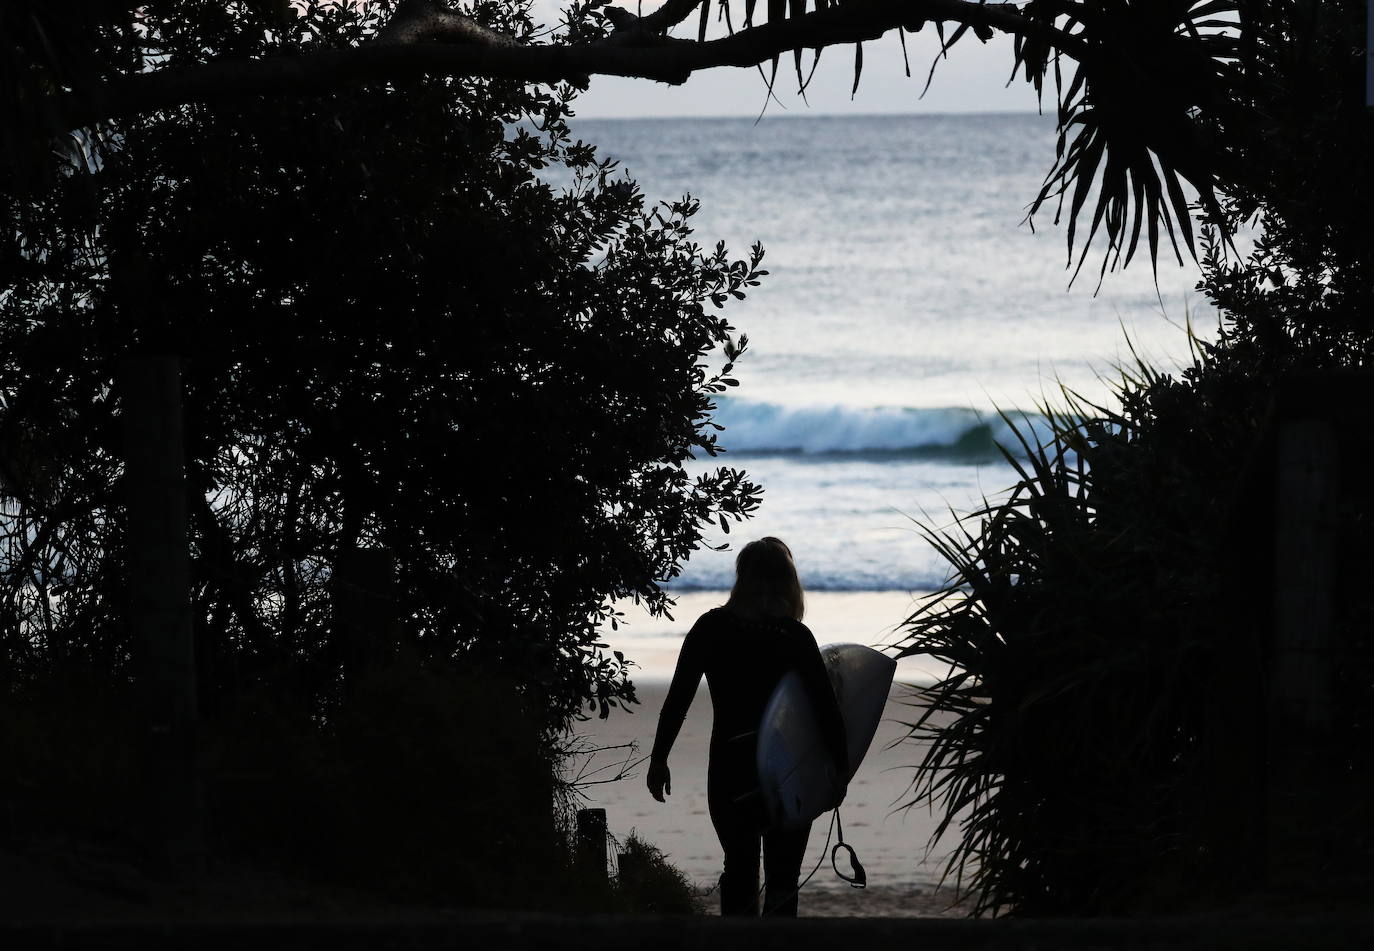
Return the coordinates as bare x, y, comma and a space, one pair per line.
418, 318
1141, 86
1100, 742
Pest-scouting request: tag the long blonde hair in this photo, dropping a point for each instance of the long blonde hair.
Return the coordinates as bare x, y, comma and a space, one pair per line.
766, 582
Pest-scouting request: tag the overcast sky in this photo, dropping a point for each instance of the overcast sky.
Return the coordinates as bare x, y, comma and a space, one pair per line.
972, 79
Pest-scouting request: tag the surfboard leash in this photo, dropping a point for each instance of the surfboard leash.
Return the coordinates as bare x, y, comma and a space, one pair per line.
859, 878
830, 830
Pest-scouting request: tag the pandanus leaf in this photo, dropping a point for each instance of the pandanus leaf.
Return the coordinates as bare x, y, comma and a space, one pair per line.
797, 8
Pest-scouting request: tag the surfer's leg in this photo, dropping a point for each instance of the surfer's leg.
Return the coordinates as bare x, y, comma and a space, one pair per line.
783, 851
739, 883
739, 839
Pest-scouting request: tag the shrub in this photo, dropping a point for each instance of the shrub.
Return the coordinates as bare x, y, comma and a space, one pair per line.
436, 353
416, 317
646, 882
430, 786
1086, 736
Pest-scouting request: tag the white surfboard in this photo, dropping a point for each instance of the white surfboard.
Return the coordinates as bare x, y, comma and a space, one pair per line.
797, 777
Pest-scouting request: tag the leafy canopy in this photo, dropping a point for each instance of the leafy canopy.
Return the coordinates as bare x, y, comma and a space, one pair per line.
1142, 86
395, 334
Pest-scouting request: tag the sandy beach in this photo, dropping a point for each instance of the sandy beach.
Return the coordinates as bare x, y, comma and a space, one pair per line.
890, 841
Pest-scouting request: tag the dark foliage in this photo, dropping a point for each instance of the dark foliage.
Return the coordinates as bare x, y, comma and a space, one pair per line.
1300, 141
416, 319
1080, 626
647, 883
1107, 622
417, 793
1141, 85
45, 52
1134, 116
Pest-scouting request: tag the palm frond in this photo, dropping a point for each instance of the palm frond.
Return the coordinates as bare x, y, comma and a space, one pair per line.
1133, 142
1051, 740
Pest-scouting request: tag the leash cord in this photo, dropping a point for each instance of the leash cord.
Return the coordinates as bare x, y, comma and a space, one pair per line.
797, 891
860, 878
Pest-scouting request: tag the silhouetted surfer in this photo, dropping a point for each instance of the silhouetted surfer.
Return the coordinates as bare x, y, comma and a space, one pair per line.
744, 648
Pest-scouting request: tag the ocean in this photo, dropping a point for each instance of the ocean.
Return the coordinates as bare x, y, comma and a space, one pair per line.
906, 304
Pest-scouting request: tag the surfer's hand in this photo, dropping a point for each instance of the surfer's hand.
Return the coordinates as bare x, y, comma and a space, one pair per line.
660, 780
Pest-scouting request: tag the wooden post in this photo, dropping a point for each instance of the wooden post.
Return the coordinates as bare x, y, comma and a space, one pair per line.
1301, 708
160, 607
591, 842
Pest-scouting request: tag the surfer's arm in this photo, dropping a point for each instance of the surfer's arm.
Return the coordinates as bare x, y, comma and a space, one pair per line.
686, 678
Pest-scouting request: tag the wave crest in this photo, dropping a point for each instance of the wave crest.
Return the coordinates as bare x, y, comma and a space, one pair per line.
773, 428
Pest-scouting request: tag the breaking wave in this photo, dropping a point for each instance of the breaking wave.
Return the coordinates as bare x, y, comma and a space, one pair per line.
755, 427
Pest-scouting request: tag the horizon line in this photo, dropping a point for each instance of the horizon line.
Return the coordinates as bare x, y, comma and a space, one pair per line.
816, 115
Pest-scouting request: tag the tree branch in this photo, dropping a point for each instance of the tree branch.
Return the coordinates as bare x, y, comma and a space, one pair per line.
400, 54
668, 15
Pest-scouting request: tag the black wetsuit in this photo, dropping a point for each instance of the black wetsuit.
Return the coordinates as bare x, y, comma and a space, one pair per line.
743, 660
